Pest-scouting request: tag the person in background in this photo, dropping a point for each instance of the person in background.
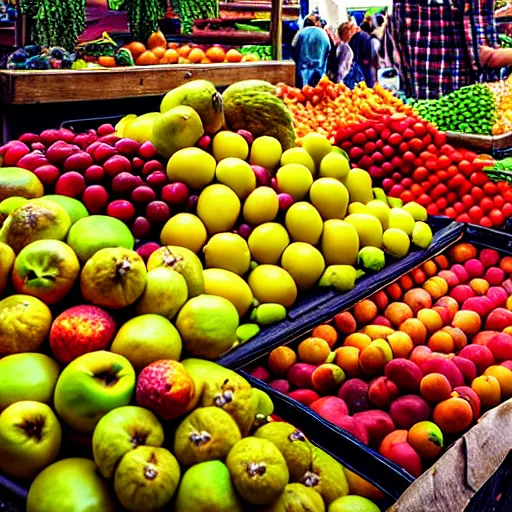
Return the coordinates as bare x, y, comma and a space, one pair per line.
311, 47
377, 37
364, 55
344, 53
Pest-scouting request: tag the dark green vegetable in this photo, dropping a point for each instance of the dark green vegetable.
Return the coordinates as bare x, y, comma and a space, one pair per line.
143, 16
190, 10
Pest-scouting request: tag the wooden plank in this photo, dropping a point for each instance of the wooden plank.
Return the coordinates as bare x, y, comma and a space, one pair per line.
276, 29
57, 86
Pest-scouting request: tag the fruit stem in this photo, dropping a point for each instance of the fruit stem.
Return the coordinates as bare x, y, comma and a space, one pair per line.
150, 472
256, 468
200, 438
310, 479
123, 267
297, 435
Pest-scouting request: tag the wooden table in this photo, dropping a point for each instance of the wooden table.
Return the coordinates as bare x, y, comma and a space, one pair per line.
35, 100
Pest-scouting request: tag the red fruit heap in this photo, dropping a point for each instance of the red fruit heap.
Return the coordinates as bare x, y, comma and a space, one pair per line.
414, 162
420, 359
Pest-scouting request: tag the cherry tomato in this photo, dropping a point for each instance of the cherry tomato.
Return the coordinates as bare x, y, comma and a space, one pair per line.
420, 174
432, 164
477, 193
395, 139
407, 196
409, 157
426, 185
490, 188
450, 212
486, 204
415, 144
463, 217
485, 222
369, 148
451, 197
426, 155
447, 149
433, 179
452, 171
424, 200
419, 129
506, 209
468, 201
498, 201
432, 148
496, 217
442, 203
387, 183
442, 175
479, 178
407, 182
432, 209
456, 182
507, 195
459, 207
403, 147
456, 157
476, 213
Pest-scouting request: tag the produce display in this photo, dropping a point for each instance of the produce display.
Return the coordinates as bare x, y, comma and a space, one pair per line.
502, 91
414, 366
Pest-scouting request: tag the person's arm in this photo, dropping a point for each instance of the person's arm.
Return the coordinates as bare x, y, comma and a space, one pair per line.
345, 58
495, 58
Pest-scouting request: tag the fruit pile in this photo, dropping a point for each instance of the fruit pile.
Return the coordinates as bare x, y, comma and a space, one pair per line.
414, 162
502, 91
267, 222
415, 362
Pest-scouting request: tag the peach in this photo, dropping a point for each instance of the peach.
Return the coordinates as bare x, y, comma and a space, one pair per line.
462, 252
398, 312
504, 376
417, 299
313, 351
260, 373
353, 426
430, 268
482, 306
382, 392
506, 264
435, 387
281, 359
357, 340
378, 424
448, 303
345, 322
499, 319
460, 340
365, 311
360, 487
441, 341
407, 410
468, 394
498, 296
467, 321
453, 415
436, 286
482, 337
304, 396
450, 277
415, 330
381, 299
507, 364
375, 357
489, 257
494, 276
326, 377
445, 315
400, 343
427, 439
394, 291
404, 373
406, 282
396, 448
354, 392
436, 364
347, 358
488, 390
418, 276
480, 355
461, 273
300, 375
442, 262
281, 385
466, 366
461, 293
474, 268
382, 320
420, 354
330, 408
376, 332
326, 332
479, 286
431, 319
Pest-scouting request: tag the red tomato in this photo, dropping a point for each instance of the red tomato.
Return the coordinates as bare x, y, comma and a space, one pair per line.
485, 222
447, 149
452, 171
450, 212
408, 134
424, 200
395, 139
477, 193
442, 203
456, 157
432, 165
426, 185
465, 167
432, 209
498, 201
439, 191
490, 188
439, 138
459, 207
379, 144
496, 217
418, 162
507, 210
476, 213
420, 174
444, 162
432, 148
451, 197
415, 145
486, 204
507, 195
456, 182
464, 217
470, 155
416, 189
419, 129
407, 196
442, 175
426, 155
478, 178
502, 186
468, 201
409, 157
433, 179
397, 162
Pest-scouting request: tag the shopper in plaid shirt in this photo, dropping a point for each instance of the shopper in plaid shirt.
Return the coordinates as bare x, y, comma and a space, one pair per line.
444, 44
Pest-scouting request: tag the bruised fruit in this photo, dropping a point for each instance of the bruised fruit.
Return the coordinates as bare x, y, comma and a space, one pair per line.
113, 278
258, 470
208, 433
146, 479
15, 181
292, 444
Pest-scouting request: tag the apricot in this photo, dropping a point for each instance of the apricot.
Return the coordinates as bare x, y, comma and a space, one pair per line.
468, 322
418, 276
460, 340
420, 354
450, 277
376, 332
313, 351
449, 303
396, 448
394, 291
499, 319
326, 377
488, 390
400, 343
504, 377
500, 346
404, 373
381, 392
479, 286
426, 438
330, 408
375, 357
381, 299
326, 332
468, 394
435, 387
357, 340
407, 410
354, 392
445, 315
406, 282
398, 312
489, 257
507, 330
281, 359
506, 264
345, 322
365, 311
437, 364
462, 252
509, 303
442, 262
453, 415
480, 355
300, 375
417, 299
415, 329
304, 396
436, 286
378, 424
360, 487
347, 358
466, 366
430, 268
431, 319
441, 341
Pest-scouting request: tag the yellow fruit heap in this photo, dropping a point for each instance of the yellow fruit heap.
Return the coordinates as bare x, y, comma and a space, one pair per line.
503, 93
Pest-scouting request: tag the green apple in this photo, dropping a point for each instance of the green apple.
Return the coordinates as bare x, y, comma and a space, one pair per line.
122, 430
28, 376
30, 437
92, 385
70, 485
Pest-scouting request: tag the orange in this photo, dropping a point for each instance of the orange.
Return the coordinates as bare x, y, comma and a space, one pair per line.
216, 54
107, 62
234, 56
136, 48
171, 56
156, 39
173, 46
159, 51
146, 59
184, 51
196, 55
